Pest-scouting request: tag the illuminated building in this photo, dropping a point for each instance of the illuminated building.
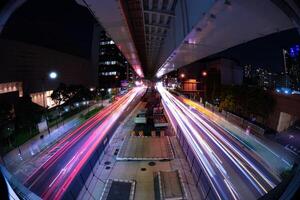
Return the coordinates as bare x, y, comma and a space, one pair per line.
113, 67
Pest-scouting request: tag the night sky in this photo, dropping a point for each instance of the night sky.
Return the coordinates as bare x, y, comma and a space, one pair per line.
62, 25
66, 26
264, 52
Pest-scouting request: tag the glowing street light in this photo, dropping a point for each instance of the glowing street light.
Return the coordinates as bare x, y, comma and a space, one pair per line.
204, 73
53, 75
182, 75
92, 89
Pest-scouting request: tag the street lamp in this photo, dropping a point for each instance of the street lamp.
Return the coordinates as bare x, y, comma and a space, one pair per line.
284, 52
182, 75
204, 74
92, 89
53, 75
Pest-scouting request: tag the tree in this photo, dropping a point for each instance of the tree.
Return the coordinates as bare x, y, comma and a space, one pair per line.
6, 114
60, 94
71, 94
228, 103
6, 133
212, 84
6, 111
247, 101
28, 114
82, 93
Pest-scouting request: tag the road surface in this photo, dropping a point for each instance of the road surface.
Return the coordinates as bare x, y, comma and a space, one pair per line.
232, 171
52, 179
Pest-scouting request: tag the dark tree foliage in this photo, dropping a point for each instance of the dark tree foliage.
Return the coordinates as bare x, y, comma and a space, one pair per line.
60, 94
247, 101
71, 94
213, 85
28, 114
6, 111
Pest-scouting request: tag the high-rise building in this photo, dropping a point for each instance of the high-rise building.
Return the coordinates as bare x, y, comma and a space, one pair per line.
248, 71
283, 80
113, 67
293, 66
265, 78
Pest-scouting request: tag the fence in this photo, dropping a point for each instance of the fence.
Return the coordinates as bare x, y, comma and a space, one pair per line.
241, 122
80, 179
15, 187
202, 181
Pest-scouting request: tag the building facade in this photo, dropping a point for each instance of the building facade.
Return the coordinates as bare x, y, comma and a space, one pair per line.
30, 65
292, 66
114, 69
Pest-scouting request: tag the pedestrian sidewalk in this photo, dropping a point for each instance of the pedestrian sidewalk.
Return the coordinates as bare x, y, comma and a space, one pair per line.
33, 148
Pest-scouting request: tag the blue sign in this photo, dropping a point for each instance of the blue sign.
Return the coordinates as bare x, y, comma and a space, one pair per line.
294, 51
285, 91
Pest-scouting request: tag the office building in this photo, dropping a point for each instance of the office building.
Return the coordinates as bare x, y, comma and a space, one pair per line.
113, 67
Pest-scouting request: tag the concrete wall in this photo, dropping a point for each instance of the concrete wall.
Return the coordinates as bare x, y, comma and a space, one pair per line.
286, 112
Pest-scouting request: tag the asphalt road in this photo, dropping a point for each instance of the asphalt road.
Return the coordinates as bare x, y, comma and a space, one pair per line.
52, 179
232, 171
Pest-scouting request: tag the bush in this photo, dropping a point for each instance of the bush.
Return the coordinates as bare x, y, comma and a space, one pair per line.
90, 113
285, 174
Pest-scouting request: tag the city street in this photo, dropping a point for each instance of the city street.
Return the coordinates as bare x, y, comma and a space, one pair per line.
109, 167
149, 99
232, 171
53, 177
22, 161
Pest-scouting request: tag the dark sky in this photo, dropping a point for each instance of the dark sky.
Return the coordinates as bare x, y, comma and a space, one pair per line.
59, 24
264, 52
66, 26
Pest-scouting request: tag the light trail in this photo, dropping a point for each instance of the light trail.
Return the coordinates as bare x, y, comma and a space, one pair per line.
75, 136
212, 149
54, 177
253, 143
89, 147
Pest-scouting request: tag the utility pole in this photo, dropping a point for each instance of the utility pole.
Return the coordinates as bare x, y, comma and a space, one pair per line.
285, 67
127, 72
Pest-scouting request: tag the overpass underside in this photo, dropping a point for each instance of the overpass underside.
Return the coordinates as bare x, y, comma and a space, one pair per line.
159, 36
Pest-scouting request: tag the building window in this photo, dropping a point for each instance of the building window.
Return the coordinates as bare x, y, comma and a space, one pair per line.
114, 73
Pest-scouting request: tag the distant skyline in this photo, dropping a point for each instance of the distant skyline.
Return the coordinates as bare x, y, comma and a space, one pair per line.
263, 52
68, 27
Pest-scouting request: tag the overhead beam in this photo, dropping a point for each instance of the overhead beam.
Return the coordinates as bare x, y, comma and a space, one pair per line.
156, 35
159, 4
160, 12
158, 25
170, 4
150, 4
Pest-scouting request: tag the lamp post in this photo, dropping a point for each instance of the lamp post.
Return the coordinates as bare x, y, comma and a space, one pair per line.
182, 76
284, 52
204, 75
52, 75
